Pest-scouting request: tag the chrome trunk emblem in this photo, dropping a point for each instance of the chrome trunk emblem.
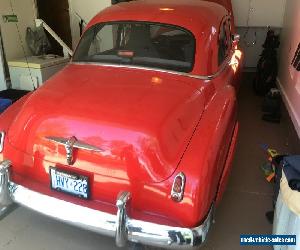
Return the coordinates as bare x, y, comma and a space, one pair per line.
72, 143
69, 149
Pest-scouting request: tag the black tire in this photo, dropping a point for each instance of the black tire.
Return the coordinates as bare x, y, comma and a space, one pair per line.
134, 246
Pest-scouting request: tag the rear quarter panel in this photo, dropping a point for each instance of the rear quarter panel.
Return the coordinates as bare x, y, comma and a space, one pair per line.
204, 160
9, 115
203, 164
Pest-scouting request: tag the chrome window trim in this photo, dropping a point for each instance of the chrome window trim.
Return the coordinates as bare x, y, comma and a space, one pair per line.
2, 133
203, 77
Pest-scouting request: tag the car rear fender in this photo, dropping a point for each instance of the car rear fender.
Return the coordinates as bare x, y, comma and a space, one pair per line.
9, 115
228, 165
204, 161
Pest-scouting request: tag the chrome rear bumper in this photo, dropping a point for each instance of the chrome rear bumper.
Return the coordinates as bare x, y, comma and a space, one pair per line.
119, 226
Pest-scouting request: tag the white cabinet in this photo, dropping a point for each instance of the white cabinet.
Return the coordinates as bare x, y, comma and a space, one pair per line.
30, 73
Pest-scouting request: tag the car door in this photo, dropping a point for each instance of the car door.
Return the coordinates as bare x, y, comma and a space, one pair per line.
236, 62
225, 77
229, 57
224, 47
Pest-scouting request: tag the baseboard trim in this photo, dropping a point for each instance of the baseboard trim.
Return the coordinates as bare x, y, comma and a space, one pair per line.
293, 114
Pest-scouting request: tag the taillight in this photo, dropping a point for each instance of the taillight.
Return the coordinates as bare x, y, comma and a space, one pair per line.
178, 187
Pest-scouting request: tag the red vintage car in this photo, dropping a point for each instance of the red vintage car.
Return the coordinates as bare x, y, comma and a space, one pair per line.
135, 137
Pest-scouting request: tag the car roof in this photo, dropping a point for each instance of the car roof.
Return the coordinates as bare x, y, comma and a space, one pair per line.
198, 16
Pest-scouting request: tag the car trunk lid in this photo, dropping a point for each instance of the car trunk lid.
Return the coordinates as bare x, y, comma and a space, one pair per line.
141, 120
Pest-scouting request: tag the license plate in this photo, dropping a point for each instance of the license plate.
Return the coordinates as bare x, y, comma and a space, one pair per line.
69, 183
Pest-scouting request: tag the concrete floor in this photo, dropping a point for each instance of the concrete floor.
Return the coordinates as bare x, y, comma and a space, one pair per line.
241, 211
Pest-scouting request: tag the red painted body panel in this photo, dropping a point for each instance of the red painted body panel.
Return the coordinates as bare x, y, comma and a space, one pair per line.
151, 124
136, 121
228, 165
228, 5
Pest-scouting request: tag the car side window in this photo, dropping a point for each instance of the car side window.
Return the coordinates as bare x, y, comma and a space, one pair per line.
136, 43
224, 42
230, 34
103, 40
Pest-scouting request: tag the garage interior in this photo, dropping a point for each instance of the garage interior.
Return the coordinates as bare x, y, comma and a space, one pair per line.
248, 195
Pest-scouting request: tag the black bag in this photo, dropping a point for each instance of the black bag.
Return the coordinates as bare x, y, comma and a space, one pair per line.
37, 41
267, 67
272, 106
272, 40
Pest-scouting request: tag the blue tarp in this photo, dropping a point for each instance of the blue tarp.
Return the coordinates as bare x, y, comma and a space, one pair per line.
4, 104
291, 168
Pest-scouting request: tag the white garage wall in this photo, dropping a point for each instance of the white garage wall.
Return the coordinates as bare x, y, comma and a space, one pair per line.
252, 51
258, 14
289, 78
26, 12
262, 12
86, 10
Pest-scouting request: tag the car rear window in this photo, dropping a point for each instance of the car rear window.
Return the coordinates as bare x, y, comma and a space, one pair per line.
138, 44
